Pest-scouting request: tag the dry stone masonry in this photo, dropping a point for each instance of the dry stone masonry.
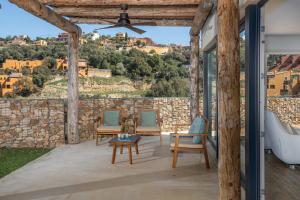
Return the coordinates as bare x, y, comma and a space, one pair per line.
42, 123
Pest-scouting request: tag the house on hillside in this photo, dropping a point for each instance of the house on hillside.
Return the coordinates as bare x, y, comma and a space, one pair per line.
41, 43
284, 78
17, 65
138, 41
19, 40
11, 83
121, 36
83, 69
94, 36
160, 50
63, 37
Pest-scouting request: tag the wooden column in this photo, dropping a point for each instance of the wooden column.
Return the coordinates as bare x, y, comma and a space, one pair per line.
194, 75
229, 99
196, 84
73, 93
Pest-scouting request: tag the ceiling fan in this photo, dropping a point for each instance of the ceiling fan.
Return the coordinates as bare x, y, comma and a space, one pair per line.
124, 21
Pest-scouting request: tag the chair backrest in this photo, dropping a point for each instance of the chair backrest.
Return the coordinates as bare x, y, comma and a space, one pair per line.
111, 117
206, 122
148, 117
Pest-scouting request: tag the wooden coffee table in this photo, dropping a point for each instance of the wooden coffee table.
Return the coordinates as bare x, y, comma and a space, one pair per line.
132, 140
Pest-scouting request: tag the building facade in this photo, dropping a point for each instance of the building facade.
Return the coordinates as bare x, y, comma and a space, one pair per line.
17, 65
283, 79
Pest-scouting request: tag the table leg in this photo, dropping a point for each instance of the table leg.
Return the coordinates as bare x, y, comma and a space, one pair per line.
129, 153
136, 148
114, 154
121, 149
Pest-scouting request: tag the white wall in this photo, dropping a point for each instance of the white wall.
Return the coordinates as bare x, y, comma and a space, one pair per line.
282, 17
282, 29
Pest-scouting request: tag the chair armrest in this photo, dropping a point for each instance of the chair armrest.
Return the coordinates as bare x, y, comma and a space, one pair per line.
182, 135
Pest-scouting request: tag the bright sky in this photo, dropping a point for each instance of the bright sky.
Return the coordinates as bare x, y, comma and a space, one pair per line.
15, 21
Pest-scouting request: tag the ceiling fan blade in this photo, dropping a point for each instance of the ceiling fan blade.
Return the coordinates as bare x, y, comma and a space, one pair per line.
108, 21
114, 26
137, 30
144, 24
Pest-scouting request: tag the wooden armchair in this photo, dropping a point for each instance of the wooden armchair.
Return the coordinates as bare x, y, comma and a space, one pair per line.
110, 122
189, 147
148, 122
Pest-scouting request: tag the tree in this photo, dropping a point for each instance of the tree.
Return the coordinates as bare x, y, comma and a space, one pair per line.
40, 75
26, 71
174, 88
118, 69
139, 69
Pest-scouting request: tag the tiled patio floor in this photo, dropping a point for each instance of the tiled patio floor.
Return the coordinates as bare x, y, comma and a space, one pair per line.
84, 171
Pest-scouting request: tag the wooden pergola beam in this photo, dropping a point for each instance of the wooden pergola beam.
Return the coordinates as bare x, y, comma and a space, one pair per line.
135, 13
118, 2
159, 22
200, 17
43, 12
229, 99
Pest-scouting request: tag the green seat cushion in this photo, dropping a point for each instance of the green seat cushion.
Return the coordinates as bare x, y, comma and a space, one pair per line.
148, 119
197, 127
111, 118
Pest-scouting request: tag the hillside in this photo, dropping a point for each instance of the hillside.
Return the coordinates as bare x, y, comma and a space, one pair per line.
117, 87
128, 60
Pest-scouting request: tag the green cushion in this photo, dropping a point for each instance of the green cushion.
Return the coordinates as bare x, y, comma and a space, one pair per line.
111, 118
148, 119
197, 127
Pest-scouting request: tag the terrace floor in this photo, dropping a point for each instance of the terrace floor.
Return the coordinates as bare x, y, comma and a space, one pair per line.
84, 171
281, 181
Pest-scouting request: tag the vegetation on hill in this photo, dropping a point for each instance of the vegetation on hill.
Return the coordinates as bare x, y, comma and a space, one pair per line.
167, 74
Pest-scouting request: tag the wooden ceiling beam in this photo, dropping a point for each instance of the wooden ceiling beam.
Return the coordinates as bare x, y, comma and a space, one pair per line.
201, 15
147, 12
43, 12
118, 2
163, 22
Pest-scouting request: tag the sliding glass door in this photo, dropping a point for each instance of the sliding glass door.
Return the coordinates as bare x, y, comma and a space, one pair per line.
211, 97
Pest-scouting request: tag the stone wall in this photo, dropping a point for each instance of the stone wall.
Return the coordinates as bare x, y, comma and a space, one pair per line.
172, 111
31, 123
287, 109
42, 123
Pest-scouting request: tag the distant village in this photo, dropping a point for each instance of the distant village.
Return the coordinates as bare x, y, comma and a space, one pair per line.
13, 79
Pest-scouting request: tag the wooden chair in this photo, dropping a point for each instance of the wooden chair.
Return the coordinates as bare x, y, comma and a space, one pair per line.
189, 147
109, 129
141, 129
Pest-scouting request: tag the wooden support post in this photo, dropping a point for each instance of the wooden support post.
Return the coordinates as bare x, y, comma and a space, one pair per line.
196, 84
194, 75
73, 93
229, 99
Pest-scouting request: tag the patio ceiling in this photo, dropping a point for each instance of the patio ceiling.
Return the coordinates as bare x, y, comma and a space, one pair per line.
163, 12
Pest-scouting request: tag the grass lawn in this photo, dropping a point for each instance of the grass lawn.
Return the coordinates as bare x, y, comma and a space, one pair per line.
12, 159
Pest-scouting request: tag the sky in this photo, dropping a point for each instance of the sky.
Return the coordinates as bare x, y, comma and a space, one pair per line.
16, 21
